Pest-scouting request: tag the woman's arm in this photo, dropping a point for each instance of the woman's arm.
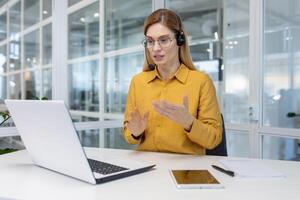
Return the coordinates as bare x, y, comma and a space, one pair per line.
206, 130
134, 123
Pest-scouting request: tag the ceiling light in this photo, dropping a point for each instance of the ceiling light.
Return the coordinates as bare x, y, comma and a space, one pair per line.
96, 15
216, 36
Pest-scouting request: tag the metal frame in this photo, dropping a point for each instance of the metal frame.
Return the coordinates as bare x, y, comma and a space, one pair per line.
59, 50
256, 75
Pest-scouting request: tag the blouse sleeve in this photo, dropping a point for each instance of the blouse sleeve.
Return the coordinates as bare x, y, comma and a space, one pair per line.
207, 127
130, 104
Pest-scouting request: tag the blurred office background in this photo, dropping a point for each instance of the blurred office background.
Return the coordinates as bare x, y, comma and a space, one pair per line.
86, 52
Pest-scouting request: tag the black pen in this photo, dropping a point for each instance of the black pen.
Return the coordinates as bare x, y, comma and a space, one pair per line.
228, 172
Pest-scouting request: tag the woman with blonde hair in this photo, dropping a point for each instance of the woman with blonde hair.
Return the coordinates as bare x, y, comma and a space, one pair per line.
171, 107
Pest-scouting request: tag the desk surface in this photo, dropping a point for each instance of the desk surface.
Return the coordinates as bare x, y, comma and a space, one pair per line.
20, 179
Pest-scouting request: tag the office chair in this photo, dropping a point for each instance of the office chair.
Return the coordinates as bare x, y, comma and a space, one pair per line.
221, 149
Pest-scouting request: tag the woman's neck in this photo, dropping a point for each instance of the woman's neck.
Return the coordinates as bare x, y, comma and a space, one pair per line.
168, 70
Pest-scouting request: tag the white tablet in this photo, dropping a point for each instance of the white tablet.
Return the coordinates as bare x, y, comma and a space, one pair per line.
197, 179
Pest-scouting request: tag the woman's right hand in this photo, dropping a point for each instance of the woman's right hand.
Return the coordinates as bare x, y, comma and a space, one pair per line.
136, 124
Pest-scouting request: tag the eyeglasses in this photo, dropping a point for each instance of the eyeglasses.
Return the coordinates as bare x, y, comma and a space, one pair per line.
163, 42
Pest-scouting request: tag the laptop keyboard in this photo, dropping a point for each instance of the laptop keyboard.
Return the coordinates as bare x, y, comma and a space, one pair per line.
104, 168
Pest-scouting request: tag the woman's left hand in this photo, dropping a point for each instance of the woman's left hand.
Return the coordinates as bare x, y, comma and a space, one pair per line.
177, 113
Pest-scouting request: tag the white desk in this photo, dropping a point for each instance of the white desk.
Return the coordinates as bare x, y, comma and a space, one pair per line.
20, 179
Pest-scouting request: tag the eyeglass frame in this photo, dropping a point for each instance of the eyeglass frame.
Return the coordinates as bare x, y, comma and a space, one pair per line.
144, 41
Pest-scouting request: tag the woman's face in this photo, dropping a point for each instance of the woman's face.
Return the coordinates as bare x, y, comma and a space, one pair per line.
161, 44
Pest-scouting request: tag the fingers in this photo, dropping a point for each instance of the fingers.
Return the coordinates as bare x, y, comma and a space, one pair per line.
176, 112
162, 109
169, 106
157, 107
135, 115
136, 124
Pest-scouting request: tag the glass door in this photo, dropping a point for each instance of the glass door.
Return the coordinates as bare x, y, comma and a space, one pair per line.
237, 98
281, 80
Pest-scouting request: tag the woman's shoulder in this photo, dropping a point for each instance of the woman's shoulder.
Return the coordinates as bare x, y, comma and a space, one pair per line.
143, 76
194, 72
199, 74
200, 78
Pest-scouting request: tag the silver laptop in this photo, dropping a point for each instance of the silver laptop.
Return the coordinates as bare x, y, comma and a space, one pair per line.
50, 138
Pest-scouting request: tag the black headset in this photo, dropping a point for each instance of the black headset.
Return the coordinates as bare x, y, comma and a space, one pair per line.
180, 38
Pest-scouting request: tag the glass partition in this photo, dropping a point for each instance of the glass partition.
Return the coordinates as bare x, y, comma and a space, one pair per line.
47, 9
200, 18
31, 12
72, 2
84, 86
280, 148
47, 44
2, 2
236, 61
47, 83
3, 59
3, 26
118, 73
15, 19
84, 32
32, 84
89, 138
238, 143
14, 86
3, 88
114, 139
31, 50
124, 23
15, 54
281, 87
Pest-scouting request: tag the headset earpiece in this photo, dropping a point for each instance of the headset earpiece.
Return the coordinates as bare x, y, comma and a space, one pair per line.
150, 65
180, 38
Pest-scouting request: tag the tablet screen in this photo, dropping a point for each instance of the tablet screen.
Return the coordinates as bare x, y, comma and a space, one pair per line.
195, 179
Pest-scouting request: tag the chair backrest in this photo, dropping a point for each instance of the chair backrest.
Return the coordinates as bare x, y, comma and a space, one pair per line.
221, 149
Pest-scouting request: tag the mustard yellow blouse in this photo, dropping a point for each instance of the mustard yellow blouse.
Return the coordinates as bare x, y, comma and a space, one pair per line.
164, 135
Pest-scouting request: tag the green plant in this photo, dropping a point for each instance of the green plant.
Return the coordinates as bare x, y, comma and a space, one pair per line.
292, 114
7, 150
4, 116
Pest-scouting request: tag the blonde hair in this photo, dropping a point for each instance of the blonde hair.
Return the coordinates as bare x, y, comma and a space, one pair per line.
172, 21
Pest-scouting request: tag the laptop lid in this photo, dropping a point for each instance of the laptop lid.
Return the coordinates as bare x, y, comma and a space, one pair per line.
49, 135
50, 138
